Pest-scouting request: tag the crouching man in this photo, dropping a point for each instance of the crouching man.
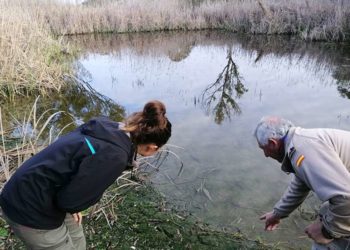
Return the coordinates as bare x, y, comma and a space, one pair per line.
319, 160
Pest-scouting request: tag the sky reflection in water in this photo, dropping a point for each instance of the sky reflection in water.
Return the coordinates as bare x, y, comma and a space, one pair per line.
259, 76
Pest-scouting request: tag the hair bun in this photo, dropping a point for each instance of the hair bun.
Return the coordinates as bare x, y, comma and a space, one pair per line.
150, 125
154, 114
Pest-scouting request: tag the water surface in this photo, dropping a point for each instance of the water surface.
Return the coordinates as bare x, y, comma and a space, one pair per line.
216, 87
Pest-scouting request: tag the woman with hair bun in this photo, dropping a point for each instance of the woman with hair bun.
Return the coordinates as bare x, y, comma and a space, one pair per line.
149, 129
43, 199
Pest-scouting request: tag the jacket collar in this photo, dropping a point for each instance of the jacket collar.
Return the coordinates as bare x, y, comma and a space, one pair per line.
288, 147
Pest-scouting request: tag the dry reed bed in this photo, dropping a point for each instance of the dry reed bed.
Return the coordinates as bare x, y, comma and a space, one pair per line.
31, 57
20, 138
310, 19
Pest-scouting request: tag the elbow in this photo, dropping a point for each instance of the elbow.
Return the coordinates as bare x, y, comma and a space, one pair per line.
71, 204
68, 207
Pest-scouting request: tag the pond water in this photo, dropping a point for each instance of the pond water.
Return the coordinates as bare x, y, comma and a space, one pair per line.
216, 86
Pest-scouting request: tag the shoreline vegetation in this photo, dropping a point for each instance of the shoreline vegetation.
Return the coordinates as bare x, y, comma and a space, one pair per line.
34, 57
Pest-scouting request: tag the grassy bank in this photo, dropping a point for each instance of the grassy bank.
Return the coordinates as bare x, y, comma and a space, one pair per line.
144, 222
34, 57
141, 221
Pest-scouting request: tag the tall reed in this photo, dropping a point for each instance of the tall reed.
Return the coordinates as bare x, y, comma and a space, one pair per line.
310, 19
31, 56
24, 137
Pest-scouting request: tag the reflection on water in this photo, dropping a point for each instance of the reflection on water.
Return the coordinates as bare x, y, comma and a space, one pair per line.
216, 86
177, 47
79, 103
342, 75
218, 96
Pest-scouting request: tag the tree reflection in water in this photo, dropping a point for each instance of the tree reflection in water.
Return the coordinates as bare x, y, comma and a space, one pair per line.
79, 103
178, 45
219, 97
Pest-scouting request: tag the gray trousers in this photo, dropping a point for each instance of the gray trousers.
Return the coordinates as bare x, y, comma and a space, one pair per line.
69, 236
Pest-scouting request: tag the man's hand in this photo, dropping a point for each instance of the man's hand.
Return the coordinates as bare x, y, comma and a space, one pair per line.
314, 231
78, 218
271, 221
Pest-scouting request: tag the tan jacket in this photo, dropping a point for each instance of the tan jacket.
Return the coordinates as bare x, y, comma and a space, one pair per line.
320, 161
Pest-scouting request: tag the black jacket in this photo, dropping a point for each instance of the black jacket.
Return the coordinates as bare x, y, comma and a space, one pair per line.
68, 176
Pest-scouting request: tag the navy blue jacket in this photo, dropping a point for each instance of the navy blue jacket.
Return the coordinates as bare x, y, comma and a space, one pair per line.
68, 176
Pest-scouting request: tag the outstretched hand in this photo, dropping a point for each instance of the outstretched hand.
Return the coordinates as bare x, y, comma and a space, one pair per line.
271, 221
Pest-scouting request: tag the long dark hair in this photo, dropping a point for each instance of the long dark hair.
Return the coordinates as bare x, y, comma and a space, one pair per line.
150, 125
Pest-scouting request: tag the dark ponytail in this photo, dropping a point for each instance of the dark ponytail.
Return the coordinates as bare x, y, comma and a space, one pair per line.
150, 125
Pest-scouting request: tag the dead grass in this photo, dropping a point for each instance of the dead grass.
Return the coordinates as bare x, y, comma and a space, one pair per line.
310, 19
22, 137
31, 57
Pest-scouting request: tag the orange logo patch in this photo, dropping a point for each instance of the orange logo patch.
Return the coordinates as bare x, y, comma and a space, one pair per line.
300, 160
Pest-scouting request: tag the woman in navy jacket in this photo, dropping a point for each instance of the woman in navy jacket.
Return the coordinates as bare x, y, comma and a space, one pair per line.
43, 199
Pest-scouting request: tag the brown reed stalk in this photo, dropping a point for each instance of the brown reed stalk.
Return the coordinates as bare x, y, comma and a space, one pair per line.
31, 141
31, 56
279, 17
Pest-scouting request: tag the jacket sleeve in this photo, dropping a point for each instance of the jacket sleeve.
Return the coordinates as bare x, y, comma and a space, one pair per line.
337, 218
95, 174
327, 176
295, 194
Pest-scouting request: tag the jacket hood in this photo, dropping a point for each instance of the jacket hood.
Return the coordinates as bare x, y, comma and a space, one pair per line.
104, 129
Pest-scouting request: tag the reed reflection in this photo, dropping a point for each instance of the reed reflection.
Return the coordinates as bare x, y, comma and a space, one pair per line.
332, 57
219, 98
342, 76
174, 45
79, 103
178, 45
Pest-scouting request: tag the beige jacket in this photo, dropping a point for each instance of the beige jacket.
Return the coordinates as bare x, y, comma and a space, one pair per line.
320, 161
